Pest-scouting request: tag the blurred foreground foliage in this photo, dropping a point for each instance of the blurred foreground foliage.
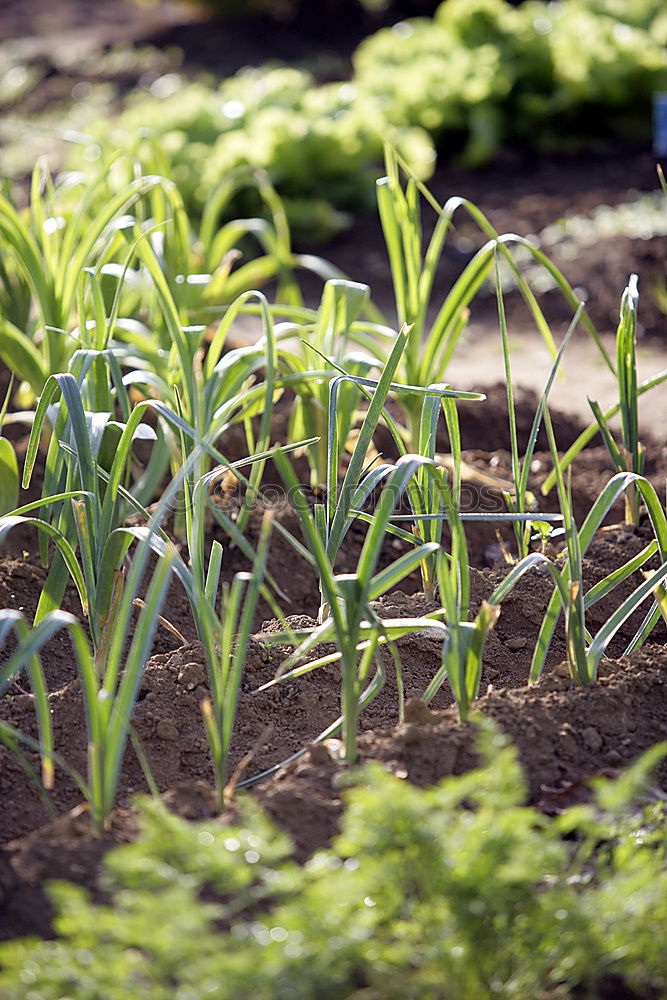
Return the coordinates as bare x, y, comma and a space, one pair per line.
452, 891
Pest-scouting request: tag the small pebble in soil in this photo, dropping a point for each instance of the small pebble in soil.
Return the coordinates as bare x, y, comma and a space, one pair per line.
334, 748
592, 739
166, 729
516, 642
192, 675
318, 754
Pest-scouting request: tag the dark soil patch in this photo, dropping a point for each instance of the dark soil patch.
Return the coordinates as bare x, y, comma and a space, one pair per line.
564, 734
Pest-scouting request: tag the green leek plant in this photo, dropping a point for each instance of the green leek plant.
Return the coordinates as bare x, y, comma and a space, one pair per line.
87, 490
350, 621
217, 243
630, 456
223, 615
110, 687
584, 651
200, 253
86, 511
434, 502
43, 256
222, 391
226, 642
208, 395
341, 334
432, 343
70, 227
197, 400
335, 517
100, 502
9, 468
589, 433
328, 337
522, 501
349, 333
199, 573
231, 394
27, 658
362, 631
109, 697
463, 649
464, 641
429, 494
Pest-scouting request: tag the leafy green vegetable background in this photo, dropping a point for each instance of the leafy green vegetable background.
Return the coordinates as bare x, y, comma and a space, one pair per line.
481, 73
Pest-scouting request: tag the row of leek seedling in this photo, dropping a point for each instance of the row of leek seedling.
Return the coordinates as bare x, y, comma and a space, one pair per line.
92, 542
99, 300
130, 278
